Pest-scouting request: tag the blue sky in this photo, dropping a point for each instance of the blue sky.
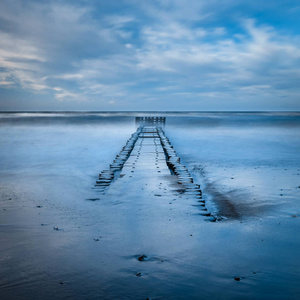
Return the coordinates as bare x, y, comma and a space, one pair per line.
150, 55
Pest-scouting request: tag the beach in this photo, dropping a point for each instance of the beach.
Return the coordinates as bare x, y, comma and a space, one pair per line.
61, 237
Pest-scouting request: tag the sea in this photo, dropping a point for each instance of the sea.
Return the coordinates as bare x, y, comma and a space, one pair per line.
60, 238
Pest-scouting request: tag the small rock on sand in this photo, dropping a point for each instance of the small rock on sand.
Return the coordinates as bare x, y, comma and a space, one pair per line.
142, 257
93, 199
57, 229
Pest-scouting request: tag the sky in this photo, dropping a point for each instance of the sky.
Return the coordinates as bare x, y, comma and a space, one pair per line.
150, 55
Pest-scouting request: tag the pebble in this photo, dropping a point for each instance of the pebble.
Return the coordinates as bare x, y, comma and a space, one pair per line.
57, 229
143, 257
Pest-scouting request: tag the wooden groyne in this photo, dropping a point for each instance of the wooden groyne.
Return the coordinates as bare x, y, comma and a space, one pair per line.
150, 121
156, 136
107, 176
176, 168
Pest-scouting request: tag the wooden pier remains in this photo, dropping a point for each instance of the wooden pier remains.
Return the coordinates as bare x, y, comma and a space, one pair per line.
150, 135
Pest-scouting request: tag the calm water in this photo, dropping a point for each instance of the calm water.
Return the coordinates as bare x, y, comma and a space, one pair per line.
247, 165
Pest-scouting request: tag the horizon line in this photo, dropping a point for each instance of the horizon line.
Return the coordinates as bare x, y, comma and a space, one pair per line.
150, 111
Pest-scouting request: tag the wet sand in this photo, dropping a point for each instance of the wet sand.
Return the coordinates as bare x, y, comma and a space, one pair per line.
142, 238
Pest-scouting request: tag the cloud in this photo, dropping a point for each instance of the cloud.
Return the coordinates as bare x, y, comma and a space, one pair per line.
6, 83
66, 95
65, 76
260, 54
181, 54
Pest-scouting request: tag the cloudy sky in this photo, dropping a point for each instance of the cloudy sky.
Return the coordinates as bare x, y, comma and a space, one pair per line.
150, 55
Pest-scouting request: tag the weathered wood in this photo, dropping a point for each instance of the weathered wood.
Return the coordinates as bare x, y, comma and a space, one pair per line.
156, 133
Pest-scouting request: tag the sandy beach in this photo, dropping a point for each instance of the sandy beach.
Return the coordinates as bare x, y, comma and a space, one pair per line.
143, 236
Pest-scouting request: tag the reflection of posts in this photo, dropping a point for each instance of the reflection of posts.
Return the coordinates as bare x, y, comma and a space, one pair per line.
144, 121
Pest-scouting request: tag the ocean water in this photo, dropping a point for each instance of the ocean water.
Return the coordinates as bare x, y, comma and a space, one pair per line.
247, 164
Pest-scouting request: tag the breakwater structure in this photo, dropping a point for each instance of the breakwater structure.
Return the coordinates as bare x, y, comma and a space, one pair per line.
150, 149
